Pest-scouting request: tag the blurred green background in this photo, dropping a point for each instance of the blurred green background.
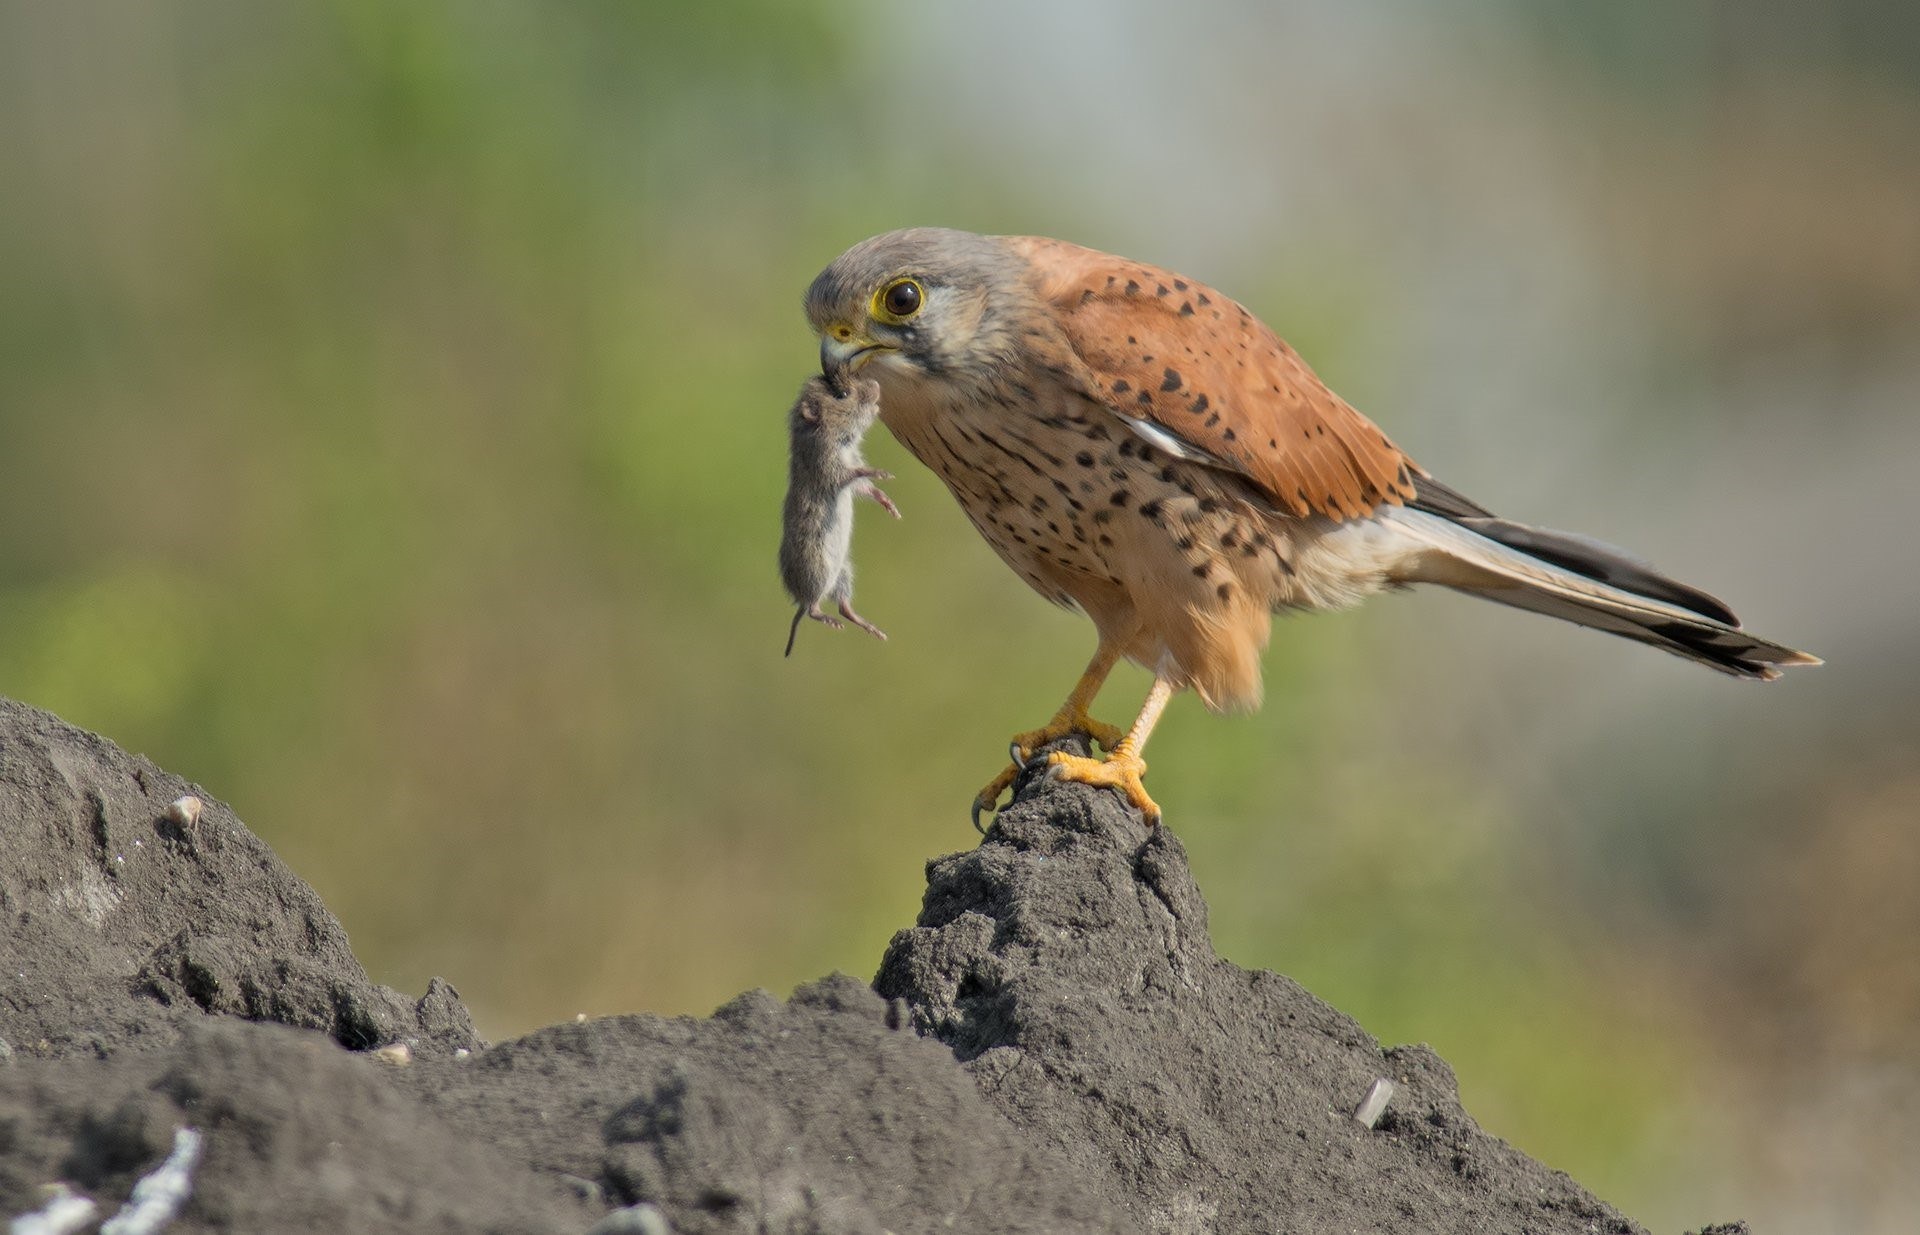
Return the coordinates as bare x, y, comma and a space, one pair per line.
391, 439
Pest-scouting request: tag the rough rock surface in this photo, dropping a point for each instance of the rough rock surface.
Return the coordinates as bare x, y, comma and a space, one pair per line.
1067, 962
1082, 1060
119, 925
812, 1116
301, 1136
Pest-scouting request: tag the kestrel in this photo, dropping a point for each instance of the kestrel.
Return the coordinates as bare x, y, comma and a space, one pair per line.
1142, 449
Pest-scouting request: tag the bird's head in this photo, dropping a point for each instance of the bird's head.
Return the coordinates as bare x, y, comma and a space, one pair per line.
922, 303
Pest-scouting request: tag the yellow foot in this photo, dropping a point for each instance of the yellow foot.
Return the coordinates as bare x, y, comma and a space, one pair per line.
1065, 722
1121, 770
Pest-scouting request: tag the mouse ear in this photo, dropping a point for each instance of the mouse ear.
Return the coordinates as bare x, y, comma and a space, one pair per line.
810, 412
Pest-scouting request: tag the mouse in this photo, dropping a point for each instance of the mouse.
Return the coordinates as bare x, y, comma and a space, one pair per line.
825, 472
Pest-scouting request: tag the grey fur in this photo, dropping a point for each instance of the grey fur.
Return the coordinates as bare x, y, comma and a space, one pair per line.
825, 472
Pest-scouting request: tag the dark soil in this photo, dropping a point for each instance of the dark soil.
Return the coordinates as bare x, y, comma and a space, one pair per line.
1054, 1047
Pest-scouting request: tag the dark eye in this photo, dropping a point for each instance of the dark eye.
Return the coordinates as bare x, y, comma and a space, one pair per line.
902, 299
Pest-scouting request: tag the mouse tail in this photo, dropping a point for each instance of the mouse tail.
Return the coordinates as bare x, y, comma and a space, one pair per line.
794, 630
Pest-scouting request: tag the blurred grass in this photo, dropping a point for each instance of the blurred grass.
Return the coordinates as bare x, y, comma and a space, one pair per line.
391, 438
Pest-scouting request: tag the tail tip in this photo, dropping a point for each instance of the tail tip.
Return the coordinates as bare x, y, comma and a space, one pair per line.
1770, 670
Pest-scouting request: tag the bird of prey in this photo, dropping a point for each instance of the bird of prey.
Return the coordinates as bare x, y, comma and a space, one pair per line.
1142, 449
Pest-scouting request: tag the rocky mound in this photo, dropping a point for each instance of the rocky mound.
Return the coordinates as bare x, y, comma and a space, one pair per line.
1067, 963
1053, 1048
122, 924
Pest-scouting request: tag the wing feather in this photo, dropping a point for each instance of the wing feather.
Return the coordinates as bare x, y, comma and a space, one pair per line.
1164, 351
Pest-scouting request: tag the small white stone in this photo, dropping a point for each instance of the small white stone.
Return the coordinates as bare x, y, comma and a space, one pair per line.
579, 1018
158, 1196
642, 1219
461, 1052
66, 1211
1374, 1105
399, 1054
185, 811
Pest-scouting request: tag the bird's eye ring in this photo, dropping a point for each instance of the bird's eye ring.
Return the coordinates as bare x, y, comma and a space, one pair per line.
898, 301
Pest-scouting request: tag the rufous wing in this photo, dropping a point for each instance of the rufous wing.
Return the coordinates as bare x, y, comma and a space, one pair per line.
1181, 359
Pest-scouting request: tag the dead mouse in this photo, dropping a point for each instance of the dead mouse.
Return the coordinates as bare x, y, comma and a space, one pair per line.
825, 472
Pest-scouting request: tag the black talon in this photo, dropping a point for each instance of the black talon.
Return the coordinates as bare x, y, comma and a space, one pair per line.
1019, 756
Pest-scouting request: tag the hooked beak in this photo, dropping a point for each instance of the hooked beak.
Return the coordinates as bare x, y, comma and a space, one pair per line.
843, 350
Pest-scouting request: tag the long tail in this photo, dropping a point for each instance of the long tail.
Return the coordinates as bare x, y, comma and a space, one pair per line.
1578, 580
799, 612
